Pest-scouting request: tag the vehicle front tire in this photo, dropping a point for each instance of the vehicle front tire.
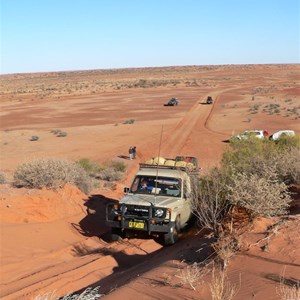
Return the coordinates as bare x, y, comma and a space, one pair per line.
116, 234
171, 237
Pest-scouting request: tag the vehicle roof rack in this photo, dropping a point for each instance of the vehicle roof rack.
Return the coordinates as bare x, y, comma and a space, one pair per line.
191, 166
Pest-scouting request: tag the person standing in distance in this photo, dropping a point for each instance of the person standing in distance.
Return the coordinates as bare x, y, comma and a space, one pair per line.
130, 152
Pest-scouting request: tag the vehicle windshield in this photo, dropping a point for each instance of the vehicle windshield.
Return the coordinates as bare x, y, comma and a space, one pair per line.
163, 186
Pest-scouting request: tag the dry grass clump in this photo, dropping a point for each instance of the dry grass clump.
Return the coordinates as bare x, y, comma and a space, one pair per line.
220, 287
288, 289
51, 173
191, 275
87, 294
286, 292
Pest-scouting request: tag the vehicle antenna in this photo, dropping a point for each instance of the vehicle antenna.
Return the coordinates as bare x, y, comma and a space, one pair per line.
161, 133
162, 128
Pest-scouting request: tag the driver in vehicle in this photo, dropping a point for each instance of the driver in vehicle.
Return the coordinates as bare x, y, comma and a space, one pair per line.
144, 185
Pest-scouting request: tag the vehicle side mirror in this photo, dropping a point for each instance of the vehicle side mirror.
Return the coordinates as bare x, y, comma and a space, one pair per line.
126, 190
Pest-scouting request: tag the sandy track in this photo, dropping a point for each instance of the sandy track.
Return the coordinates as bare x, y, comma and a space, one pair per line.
83, 270
177, 137
78, 258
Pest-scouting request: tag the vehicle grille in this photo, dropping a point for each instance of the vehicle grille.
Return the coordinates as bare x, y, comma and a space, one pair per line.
137, 210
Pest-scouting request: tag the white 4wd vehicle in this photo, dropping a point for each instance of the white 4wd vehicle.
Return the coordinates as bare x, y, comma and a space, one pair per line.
158, 203
248, 134
281, 133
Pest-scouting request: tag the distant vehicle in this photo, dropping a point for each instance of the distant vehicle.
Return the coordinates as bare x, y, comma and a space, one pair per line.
172, 102
281, 133
248, 134
209, 100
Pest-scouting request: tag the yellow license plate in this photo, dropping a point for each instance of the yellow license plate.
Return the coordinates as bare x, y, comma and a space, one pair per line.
138, 225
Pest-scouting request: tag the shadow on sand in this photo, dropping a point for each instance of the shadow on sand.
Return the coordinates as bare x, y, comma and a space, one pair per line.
137, 264
124, 156
93, 224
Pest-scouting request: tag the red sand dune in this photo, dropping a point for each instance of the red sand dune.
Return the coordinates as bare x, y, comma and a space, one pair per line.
49, 242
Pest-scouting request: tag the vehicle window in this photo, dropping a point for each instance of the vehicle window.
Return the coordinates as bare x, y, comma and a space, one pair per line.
164, 186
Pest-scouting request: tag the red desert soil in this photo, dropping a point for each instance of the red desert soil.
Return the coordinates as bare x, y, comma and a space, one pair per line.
49, 242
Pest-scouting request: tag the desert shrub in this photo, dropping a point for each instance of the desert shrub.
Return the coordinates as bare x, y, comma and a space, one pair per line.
129, 121
34, 138
2, 178
51, 173
62, 134
55, 131
253, 175
287, 165
290, 166
252, 157
110, 174
59, 133
118, 165
209, 199
112, 171
260, 195
288, 142
242, 153
91, 167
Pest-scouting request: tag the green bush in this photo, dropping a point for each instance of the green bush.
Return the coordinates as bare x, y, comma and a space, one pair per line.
51, 173
110, 174
91, 167
112, 171
118, 166
250, 157
254, 174
288, 142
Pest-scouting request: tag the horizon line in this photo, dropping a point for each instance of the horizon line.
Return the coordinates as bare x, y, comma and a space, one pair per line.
154, 67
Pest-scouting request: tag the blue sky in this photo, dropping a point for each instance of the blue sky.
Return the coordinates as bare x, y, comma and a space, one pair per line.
57, 35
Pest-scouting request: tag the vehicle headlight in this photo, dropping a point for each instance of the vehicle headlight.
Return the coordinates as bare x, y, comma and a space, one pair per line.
159, 212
